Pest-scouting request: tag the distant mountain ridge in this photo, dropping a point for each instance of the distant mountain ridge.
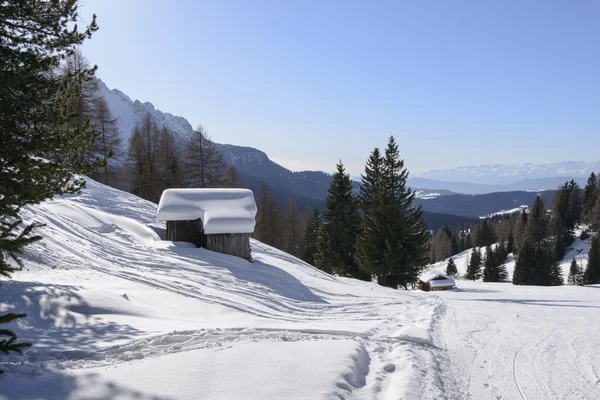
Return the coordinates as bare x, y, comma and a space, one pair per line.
508, 174
483, 188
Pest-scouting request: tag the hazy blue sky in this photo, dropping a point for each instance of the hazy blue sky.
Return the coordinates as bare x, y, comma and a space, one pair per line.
310, 82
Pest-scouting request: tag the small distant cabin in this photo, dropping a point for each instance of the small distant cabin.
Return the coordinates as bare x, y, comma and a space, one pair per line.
433, 281
220, 220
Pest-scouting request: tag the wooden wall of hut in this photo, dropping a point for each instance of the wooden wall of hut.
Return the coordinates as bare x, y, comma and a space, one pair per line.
235, 244
186, 231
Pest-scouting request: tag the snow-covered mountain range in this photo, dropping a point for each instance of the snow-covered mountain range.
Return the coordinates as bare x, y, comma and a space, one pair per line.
503, 174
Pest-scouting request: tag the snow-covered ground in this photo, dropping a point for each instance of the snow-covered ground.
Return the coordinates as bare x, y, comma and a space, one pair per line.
522, 342
116, 313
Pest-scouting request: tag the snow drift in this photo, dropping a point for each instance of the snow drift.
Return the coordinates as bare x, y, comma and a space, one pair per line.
115, 312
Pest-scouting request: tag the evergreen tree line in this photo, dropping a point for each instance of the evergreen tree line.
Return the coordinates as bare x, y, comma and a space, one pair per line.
376, 234
46, 140
539, 239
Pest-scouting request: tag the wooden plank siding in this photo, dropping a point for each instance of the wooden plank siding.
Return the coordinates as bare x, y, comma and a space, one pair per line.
235, 244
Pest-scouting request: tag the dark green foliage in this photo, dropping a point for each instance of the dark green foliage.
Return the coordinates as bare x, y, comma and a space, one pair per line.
575, 276
451, 269
537, 223
311, 236
41, 137
474, 267
8, 339
398, 243
340, 228
537, 265
591, 193
494, 268
566, 213
510, 244
484, 234
592, 272
371, 241
519, 230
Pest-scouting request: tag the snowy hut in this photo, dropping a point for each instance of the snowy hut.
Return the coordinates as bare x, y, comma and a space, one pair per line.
431, 281
220, 220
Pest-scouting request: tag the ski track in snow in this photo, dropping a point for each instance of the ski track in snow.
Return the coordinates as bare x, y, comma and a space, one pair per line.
92, 288
104, 294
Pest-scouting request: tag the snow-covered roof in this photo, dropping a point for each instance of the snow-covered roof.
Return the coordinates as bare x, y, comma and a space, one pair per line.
221, 210
436, 279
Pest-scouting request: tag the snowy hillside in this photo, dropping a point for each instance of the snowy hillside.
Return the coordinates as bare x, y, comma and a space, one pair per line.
578, 250
116, 313
501, 174
522, 342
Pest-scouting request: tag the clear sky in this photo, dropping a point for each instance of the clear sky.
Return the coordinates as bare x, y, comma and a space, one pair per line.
312, 81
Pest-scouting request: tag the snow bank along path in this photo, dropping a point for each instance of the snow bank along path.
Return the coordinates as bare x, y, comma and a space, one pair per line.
523, 342
116, 313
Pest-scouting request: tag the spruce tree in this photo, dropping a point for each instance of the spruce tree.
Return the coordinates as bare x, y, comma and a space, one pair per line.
474, 267
592, 272
575, 277
311, 237
40, 145
519, 230
370, 242
339, 231
451, 269
406, 236
510, 244
537, 223
524, 271
484, 234
591, 193
494, 268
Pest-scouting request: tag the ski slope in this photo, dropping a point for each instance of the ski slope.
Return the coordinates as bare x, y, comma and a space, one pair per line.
522, 342
117, 313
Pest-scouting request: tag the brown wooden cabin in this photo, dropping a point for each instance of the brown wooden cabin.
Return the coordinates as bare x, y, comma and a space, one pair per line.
220, 220
434, 281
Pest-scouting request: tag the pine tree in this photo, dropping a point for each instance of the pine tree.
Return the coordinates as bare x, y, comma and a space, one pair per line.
371, 241
595, 216
510, 244
566, 213
592, 272
519, 230
340, 228
575, 277
494, 268
311, 237
84, 96
292, 232
537, 223
40, 145
204, 163
484, 234
451, 269
405, 235
524, 271
590, 196
108, 145
474, 267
